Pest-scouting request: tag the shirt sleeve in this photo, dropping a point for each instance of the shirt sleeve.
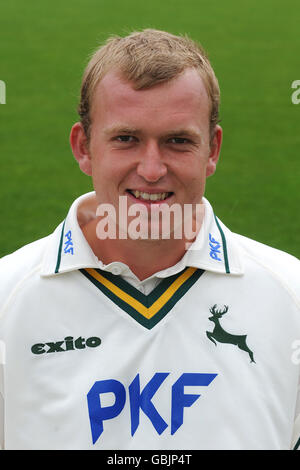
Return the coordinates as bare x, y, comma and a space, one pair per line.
1, 408
296, 432
1, 422
2, 364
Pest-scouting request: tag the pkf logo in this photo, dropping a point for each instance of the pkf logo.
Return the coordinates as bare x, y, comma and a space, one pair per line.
141, 400
69, 243
215, 246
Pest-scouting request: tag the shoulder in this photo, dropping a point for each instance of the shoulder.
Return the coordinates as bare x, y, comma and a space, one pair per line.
265, 254
276, 263
17, 266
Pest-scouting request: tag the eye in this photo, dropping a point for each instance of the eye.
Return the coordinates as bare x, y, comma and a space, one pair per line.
125, 138
179, 140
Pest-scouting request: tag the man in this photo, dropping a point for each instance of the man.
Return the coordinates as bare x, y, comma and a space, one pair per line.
119, 334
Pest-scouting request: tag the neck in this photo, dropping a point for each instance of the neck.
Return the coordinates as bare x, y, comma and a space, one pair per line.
144, 257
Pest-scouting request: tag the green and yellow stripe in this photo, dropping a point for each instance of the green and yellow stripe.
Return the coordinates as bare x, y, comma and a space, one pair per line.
148, 310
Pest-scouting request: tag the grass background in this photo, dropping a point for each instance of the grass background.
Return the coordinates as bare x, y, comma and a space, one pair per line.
254, 47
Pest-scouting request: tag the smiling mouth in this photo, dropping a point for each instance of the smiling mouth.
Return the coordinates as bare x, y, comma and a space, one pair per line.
144, 196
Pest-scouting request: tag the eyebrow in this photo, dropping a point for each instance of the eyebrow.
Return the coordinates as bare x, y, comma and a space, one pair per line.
119, 129
184, 132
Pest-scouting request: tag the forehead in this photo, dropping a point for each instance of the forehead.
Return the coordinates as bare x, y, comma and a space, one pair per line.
184, 97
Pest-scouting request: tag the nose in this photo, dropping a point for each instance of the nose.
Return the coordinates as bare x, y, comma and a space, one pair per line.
151, 166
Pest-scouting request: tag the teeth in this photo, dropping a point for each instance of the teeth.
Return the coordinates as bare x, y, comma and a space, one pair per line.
152, 197
155, 197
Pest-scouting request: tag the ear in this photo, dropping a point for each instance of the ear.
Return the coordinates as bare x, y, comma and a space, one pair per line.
79, 145
214, 151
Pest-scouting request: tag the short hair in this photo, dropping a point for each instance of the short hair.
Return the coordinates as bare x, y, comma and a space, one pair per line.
147, 58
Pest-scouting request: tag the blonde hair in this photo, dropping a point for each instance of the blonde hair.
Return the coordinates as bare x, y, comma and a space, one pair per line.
145, 59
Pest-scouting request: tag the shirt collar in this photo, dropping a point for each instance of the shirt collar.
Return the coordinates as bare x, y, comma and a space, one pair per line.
215, 248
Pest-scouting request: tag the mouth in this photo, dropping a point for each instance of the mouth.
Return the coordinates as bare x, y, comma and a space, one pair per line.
150, 197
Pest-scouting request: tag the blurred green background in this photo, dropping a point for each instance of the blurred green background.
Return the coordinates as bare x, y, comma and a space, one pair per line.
254, 47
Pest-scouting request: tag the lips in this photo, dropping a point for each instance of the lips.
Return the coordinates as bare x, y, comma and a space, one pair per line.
153, 197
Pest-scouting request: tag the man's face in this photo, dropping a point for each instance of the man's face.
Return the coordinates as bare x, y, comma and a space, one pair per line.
151, 145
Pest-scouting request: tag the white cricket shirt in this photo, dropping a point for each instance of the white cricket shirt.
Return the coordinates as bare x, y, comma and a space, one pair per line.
202, 355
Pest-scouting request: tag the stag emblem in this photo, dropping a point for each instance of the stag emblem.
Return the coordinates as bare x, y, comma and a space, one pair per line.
220, 335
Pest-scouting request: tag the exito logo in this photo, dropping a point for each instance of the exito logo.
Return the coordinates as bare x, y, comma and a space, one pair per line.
2, 92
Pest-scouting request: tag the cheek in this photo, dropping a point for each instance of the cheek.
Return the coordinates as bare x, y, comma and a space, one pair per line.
101, 163
108, 172
195, 183
194, 172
